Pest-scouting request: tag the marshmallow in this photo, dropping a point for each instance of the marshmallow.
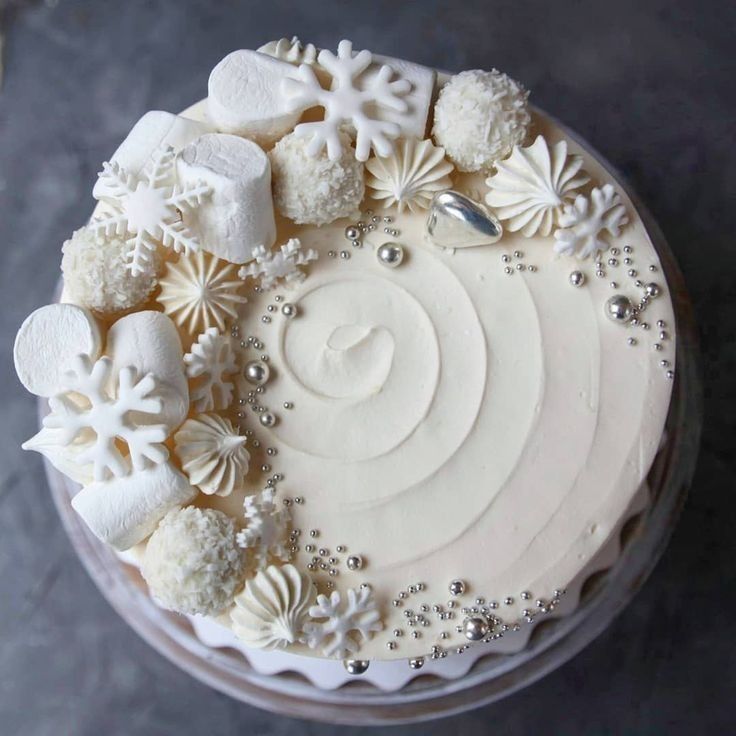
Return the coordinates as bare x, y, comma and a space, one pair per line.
150, 342
154, 130
47, 341
238, 215
123, 511
419, 98
245, 97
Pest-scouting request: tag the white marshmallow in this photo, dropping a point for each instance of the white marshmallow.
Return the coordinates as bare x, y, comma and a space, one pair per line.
238, 215
150, 343
422, 78
123, 511
245, 97
47, 341
154, 130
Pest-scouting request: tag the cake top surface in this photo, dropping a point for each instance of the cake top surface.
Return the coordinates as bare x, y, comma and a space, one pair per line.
363, 361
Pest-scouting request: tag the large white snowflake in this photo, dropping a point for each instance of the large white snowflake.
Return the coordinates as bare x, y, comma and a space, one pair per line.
148, 209
266, 530
211, 359
270, 266
336, 633
348, 102
91, 402
583, 222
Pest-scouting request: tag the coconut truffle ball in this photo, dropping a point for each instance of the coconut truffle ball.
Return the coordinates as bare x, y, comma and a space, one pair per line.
315, 191
192, 563
96, 277
479, 117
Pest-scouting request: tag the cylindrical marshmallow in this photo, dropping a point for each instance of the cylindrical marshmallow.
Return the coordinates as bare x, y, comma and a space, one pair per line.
238, 215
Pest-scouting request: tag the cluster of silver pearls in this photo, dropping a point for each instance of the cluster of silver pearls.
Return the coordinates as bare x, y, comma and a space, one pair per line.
515, 262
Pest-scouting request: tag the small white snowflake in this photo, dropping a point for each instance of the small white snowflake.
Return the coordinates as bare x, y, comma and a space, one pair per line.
266, 530
107, 412
335, 634
270, 266
584, 221
147, 209
210, 360
347, 102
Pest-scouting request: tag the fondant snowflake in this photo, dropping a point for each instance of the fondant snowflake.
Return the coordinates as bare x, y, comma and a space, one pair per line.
583, 222
200, 291
106, 409
336, 634
147, 209
348, 102
266, 530
210, 360
270, 266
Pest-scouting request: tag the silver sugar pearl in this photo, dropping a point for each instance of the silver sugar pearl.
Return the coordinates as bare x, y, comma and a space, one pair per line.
619, 308
577, 278
256, 372
354, 562
390, 255
475, 628
267, 419
652, 290
289, 310
356, 666
417, 663
457, 587
352, 232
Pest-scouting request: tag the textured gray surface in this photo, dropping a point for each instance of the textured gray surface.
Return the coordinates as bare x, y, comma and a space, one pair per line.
649, 83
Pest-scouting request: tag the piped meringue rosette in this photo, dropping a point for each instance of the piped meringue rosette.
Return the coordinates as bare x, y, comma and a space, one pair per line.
394, 436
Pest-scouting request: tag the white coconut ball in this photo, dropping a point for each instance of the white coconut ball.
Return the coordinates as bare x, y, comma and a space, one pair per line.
192, 563
315, 191
479, 117
96, 276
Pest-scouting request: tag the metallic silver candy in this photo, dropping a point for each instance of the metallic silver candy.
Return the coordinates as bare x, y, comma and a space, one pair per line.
354, 562
390, 255
577, 278
356, 666
456, 221
256, 372
619, 308
475, 628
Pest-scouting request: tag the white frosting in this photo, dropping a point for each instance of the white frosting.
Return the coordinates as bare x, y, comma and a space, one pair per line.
238, 215
48, 340
155, 130
452, 421
245, 97
410, 176
270, 613
122, 512
212, 454
530, 187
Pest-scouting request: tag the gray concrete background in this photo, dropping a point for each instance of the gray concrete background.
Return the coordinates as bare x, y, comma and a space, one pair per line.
650, 83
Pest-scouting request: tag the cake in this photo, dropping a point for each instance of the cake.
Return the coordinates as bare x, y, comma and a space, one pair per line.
355, 359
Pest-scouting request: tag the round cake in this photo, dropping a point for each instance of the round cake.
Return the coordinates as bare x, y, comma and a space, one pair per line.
355, 359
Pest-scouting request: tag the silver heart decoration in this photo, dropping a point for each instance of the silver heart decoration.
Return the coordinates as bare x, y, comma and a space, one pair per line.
456, 221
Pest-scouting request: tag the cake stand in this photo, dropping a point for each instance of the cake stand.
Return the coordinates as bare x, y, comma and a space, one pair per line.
493, 676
